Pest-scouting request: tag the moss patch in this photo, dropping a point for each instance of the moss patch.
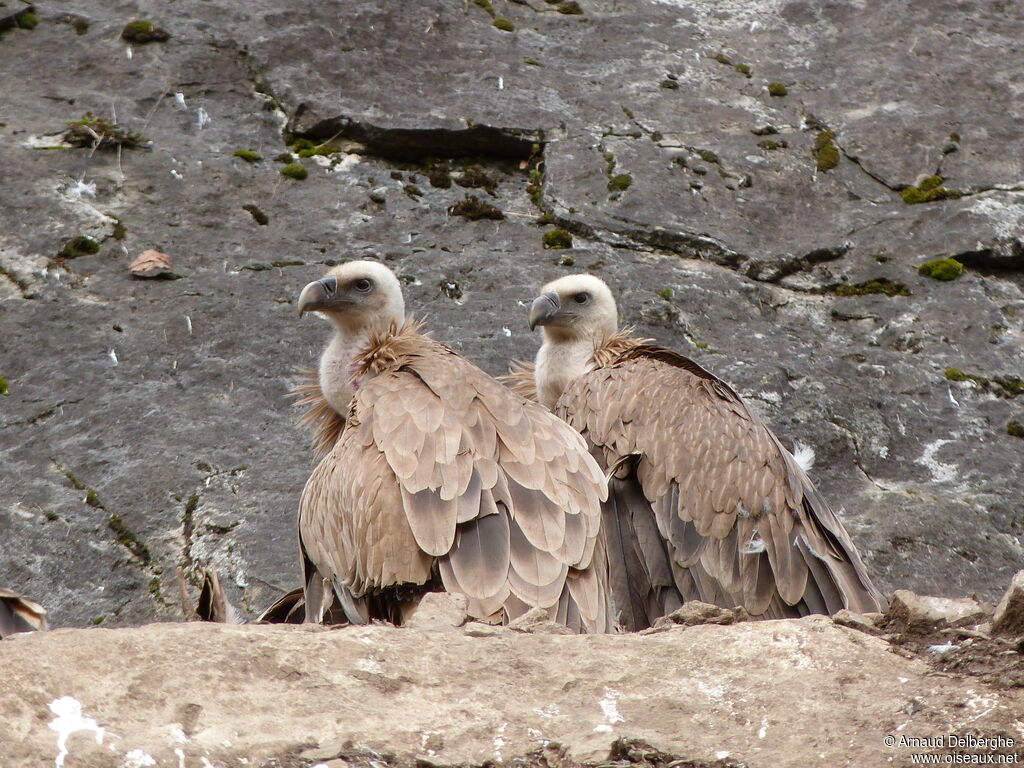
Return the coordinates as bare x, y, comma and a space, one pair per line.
880, 285
1000, 386
566, 261
27, 20
472, 207
120, 231
826, 152
777, 89
294, 171
620, 182
248, 155
770, 145
141, 32
557, 238
486, 5
258, 216
570, 8
92, 131
504, 25
927, 191
941, 269
745, 70
4, 390
79, 245
127, 539
1015, 429
531, 61
666, 294
475, 178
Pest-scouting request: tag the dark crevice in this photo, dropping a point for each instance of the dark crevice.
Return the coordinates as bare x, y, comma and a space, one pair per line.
416, 144
996, 261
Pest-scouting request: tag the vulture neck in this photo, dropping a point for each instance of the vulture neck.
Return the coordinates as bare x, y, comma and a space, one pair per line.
562, 359
338, 360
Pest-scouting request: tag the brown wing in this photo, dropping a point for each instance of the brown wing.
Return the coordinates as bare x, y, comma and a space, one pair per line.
704, 502
18, 614
440, 469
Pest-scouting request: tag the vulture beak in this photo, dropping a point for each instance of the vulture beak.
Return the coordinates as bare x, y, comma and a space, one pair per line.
317, 295
544, 309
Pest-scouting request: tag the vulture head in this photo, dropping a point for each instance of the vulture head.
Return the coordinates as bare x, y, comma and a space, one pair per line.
575, 308
363, 299
360, 298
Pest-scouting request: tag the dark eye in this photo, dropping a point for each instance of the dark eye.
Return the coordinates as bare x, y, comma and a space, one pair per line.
362, 285
581, 298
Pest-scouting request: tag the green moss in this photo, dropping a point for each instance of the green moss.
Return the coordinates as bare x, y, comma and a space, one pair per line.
79, 245
287, 263
248, 155
1011, 385
722, 58
770, 145
570, 8
531, 61
826, 152
620, 182
27, 20
627, 112
141, 32
880, 286
294, 171
557, 238
154, 586
97, 620
941, 269
92, 498
485, 4
91, 131
670, 83
777, 89
1001, 386
258, 216
4, 390
120, 232
745, 69
955, 374
473, 208
708, 156
1015, 429
127, 539
323, 150
535, 188
928, 190
666, 294
700, 344
504, 25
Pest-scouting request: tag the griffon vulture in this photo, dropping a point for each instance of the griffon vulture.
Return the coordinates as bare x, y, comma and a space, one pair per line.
704, 501
18, 614
440, 478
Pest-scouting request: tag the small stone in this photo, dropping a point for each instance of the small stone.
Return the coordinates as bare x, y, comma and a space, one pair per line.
910, 613
378, 195
696, 184
536, 621
864, 622
438, 610
700, 170
695, 612
1009, 616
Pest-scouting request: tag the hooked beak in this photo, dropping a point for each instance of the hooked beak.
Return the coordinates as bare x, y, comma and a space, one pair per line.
317, 295
543, 309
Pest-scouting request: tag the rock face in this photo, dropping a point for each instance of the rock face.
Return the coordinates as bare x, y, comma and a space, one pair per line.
766, 235
790, 693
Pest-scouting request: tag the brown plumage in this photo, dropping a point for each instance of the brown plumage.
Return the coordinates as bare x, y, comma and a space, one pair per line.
18, 614
318, 415
704, 501
441, 478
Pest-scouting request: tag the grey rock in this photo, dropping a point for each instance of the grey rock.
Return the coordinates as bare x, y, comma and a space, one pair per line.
864, 622
195, 406
378, 194
695, 612
912, 614
381, 696
536, 621
438, 610
1008, 618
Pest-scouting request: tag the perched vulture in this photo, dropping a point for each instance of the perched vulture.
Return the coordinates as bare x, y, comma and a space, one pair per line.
438, 477
18, 614
704, 501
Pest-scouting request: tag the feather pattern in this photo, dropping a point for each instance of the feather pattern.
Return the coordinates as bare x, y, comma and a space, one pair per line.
736, 514
441, 477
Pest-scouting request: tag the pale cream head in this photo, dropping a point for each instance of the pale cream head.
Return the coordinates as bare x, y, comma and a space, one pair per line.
358, 297
575, 308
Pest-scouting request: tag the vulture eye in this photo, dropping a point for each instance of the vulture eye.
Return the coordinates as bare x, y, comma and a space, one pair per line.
581, 298
363, 285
